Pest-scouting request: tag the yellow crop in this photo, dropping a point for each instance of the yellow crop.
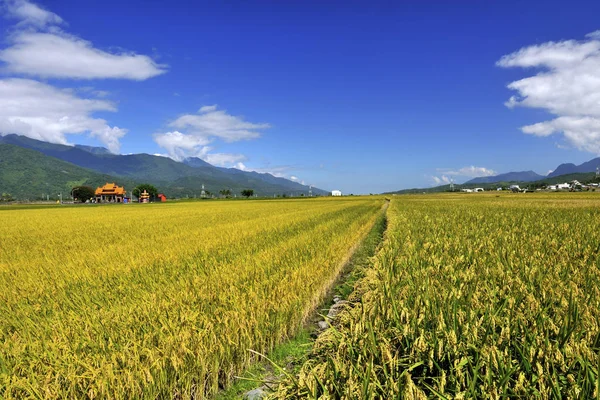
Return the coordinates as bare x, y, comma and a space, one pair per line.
471, 296
160, 301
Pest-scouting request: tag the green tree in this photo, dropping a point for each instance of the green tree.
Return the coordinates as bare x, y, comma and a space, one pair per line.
6, 197
247, 193
82, 193
225, 193
151, 189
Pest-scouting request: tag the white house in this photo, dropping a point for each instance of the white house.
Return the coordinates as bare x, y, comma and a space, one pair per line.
478, 189
336, 193
562, 186
467, 190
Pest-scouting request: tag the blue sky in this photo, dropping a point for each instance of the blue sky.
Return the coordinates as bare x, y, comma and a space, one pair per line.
357, 96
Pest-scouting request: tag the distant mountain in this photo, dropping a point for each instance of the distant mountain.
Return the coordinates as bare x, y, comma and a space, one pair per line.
172, 177
522, 176
93, 149
569, 168
196, 162
29, 174
580, 176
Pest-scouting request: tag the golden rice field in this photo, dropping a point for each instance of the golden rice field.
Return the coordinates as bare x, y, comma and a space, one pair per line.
161, 300
471, 296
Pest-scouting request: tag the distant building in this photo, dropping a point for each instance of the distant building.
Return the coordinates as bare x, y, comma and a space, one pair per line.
162, 197
478, 190
110, 193
336, 193
515, 188
144, 197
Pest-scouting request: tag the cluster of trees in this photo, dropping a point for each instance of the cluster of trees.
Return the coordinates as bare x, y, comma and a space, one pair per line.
227, 193
6, 197
247, 193
82, 193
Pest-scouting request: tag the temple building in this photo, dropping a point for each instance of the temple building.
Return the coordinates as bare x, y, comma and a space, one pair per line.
144, 197
110, 193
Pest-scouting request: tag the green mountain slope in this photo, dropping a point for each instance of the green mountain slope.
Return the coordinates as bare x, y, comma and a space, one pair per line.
185, 177
29, 174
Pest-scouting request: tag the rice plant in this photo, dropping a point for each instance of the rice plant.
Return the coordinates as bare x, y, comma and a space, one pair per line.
479, 296
164, 300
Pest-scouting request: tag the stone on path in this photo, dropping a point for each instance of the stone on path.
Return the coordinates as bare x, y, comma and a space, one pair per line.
255, 394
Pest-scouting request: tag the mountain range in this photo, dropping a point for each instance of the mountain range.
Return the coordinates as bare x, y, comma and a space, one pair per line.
563, 173
522, 176
530, 176
57, 167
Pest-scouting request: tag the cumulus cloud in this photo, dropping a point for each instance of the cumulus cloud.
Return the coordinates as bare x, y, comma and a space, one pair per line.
441, 180
566, 85
449, 175
44, 112
179, 145
195, 131
58, 55
43, 49
469, 171
30, 14
225, 159
212, 123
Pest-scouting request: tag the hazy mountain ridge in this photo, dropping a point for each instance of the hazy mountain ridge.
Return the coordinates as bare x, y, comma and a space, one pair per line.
521, 176
174, 178
570, 168
563, 173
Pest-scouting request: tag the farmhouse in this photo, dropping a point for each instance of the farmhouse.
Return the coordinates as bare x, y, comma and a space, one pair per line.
110, 193
336, 193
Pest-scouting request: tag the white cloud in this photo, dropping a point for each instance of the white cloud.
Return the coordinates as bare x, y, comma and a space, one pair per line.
44, 112
470, 171
567, 86
179, 145
40, 48
30, 14
205, 109
58, 55
195, 131
449, 175
224, 159
212, 123
293, 178
441, 180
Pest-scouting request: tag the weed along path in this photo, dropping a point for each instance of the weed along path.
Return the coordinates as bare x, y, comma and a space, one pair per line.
262, 378
166, 308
